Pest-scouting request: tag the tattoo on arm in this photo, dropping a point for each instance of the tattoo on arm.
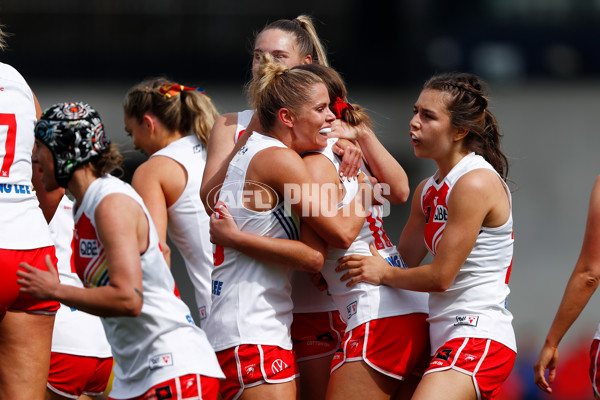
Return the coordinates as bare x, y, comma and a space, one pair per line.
139, 293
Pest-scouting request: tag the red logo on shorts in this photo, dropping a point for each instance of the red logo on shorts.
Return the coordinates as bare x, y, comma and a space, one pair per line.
278, 366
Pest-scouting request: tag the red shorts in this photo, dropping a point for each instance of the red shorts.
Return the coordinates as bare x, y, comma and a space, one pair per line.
487, 361
71, 376
391, 346
251, 365
594, 366
10, 297
187, 387
316, 335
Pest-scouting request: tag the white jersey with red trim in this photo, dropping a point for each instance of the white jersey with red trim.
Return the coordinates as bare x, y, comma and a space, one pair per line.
162, 342
23, 224
188, 221
243, 120
251, 299
364, 302
306, 296
475, 304
75, 332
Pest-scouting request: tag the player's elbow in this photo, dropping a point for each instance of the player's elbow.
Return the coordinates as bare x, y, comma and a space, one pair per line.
440, 283
132, 309
316, 262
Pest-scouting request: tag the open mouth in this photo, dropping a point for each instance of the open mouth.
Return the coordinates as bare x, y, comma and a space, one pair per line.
325, 131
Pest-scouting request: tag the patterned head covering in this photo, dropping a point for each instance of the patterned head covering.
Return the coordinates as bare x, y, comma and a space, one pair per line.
74, 133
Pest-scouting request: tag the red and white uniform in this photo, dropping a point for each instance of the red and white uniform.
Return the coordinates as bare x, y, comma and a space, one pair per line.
75, 332
188, 221
474, 306
251, 299
365, 302
23, 224
162, 342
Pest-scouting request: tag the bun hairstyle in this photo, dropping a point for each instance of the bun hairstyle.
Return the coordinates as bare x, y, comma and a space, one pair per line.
353, 114
276, 86
179, 108
467, 105
307, 40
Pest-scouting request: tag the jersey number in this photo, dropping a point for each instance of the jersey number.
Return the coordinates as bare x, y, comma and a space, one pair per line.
10, 121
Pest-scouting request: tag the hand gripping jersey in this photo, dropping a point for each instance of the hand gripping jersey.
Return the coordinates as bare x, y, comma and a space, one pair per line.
251, 299
162, 342
365, 302
475, 304
188, 220
23, 224
75, 332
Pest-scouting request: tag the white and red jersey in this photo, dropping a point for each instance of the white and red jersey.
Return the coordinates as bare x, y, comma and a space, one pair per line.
597, 333
475, 304
75, 332
188, 221
365, 302
162, 342
23, 224
306, 296
243, 120
251, 299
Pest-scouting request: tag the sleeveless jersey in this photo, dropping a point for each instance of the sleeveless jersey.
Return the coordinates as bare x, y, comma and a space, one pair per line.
162, 342
251, 299
188, 221
23, 224
475, 304
243, 121
365, 302
75, 332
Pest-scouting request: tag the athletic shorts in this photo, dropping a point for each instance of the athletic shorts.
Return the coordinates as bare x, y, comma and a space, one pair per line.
488, 362
316, 335
595, 366
10, 297
187, 387
251, 365
71, 376
392, 346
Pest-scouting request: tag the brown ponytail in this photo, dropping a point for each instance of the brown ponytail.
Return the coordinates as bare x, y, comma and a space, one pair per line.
468, 110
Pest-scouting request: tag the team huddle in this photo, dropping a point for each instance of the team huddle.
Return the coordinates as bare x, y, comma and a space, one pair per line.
277, 212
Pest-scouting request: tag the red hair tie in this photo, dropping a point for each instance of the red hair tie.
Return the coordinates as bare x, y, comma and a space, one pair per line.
170, 90
339, 106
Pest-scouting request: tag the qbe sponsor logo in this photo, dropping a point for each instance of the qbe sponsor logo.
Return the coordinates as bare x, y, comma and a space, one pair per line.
441, 214
88, 248
160, 360
470, 320
217, 286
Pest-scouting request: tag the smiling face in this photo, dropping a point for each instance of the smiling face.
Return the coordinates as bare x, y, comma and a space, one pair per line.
314, 115
281, 45
43, 161
432, 134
